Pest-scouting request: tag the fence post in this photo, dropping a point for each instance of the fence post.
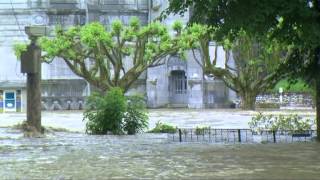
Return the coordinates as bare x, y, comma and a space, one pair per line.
203, 133
180, 135
274, 136
239, 135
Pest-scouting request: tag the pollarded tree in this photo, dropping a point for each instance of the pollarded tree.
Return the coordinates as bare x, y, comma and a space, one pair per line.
250, 64
295, 22
98, 54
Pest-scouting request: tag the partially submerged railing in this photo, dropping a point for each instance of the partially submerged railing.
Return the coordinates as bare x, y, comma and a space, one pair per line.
209, 135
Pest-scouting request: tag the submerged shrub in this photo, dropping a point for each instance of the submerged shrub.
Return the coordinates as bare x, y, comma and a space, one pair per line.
113, 113
202, 130
163, 128
281, 122
136, 117
105, 113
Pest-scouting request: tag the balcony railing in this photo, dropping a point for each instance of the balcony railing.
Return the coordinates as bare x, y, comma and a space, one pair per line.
42, 4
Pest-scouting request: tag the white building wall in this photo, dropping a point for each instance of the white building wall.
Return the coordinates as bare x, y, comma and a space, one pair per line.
195, 82
157, 86
9, 65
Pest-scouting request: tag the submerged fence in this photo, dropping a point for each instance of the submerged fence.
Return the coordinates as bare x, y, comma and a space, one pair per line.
209, 135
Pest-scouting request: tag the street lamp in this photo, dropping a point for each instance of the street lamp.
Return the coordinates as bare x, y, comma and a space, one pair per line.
31, 64
31, 58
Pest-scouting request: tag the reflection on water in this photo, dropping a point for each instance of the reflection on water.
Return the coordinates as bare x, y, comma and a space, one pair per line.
79, 156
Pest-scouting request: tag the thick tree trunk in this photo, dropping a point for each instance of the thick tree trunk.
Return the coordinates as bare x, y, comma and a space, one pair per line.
317, 81
248, 101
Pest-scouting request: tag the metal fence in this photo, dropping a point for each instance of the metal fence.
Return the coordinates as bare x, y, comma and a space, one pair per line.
208, 135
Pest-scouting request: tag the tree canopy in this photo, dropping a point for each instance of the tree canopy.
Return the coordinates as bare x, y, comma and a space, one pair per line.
294, 22
115, 56
250, 64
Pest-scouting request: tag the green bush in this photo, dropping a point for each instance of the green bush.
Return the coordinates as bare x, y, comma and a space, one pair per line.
113, 113
202, 130
281, 122
136, 117
163, 128
105, 113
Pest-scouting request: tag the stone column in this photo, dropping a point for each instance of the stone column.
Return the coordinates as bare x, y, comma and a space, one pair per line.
31, 64
34, 91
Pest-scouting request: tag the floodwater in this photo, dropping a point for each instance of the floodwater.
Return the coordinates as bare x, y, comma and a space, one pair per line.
150, 156
183, 118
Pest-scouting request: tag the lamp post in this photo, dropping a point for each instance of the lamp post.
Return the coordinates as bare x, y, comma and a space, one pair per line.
31, 64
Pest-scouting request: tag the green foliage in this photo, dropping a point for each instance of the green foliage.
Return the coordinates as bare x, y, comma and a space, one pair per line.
105, 113
116, 27
294, 23
281, 122
299, 86
163, 128
19, 48
116, 114
202, 130
255, 60
290, 21
91, 34
177, 26
135, 23
108, 48
136, 117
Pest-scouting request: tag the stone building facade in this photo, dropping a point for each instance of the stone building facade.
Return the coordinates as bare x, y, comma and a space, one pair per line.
177, 83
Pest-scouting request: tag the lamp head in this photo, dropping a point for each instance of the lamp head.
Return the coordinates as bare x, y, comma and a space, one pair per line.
36, 31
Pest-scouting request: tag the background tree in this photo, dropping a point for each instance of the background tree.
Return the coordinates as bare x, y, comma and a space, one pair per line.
250, 64
295, 22
102, 56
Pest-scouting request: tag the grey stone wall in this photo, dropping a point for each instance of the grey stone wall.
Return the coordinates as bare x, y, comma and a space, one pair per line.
288, 99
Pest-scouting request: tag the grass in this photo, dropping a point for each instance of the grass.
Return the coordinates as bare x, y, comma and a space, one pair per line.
299, 86
48, 129
163, 128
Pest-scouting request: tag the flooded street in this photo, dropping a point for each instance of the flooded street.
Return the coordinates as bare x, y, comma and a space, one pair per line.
68, 155
183, 118
149, 156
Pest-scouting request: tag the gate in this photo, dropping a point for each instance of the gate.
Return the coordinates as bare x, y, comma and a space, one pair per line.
178, 87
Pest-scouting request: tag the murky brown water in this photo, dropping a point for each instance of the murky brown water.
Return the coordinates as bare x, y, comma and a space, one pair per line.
147, 156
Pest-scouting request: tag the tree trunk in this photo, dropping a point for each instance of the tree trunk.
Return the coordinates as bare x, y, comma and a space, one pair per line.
317, 81
248, 101
318, 104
